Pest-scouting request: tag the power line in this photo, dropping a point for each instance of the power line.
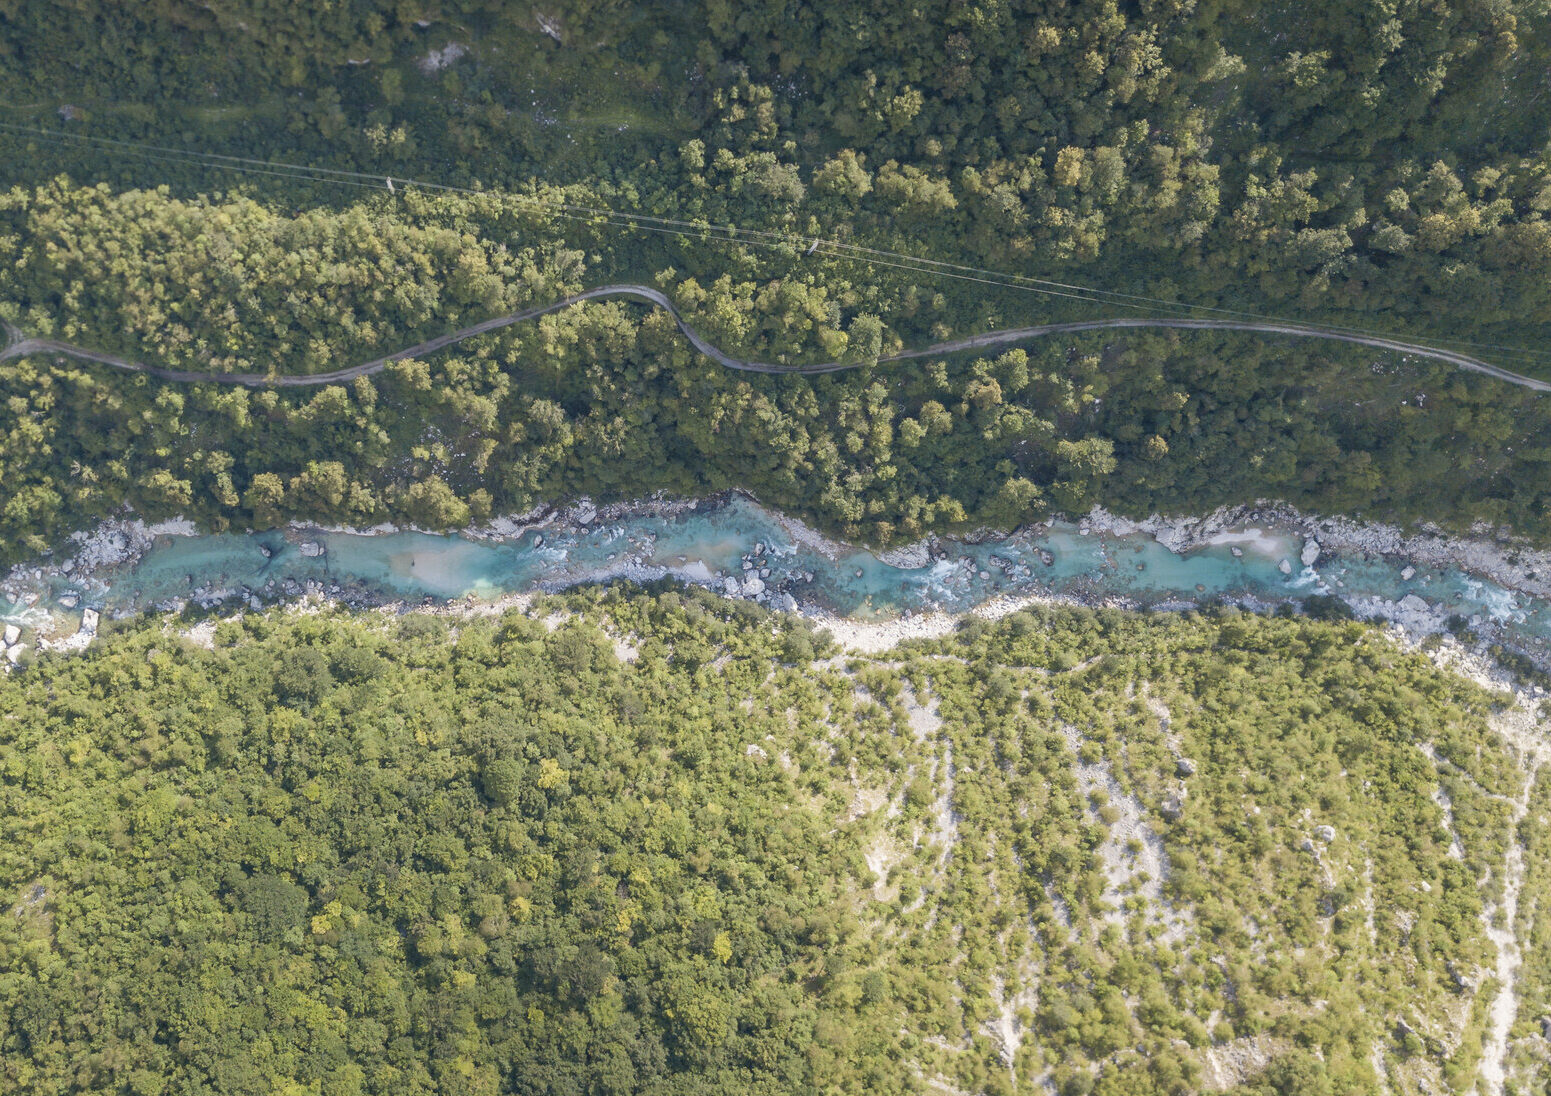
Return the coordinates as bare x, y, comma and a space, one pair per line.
589, 214
729, 233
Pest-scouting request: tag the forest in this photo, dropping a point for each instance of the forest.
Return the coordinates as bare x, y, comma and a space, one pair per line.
608, 399
1380, 167
653, 841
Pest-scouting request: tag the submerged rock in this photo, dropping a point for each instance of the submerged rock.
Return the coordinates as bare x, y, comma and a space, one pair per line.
1284, 567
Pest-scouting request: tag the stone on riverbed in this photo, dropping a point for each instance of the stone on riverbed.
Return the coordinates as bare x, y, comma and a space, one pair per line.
1310, 553
1284, 567
12, 634
1408, 573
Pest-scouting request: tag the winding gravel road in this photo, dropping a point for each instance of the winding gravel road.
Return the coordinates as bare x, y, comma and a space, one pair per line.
19, 346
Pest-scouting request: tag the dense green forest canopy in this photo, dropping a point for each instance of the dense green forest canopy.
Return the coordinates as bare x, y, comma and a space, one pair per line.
609, 400
1381, 164
626, 842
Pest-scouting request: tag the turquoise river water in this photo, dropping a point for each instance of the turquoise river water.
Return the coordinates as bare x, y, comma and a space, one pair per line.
737, 547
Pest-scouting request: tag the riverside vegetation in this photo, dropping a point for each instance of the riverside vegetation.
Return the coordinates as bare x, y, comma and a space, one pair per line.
659, 842
1384, 170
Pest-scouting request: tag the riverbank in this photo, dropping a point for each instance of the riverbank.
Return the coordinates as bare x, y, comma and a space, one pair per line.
1490, 553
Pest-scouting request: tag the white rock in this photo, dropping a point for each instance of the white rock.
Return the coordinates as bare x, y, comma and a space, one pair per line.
310, 548
909, 556
1284, 567
13, 654
12, 634
1238, 553
1407, 573
753, 586
1327, 834
789, 603
89, 622
1310, 552
1413, 603
585, 513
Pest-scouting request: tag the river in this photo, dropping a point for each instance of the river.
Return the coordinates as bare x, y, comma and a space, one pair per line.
737, 547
